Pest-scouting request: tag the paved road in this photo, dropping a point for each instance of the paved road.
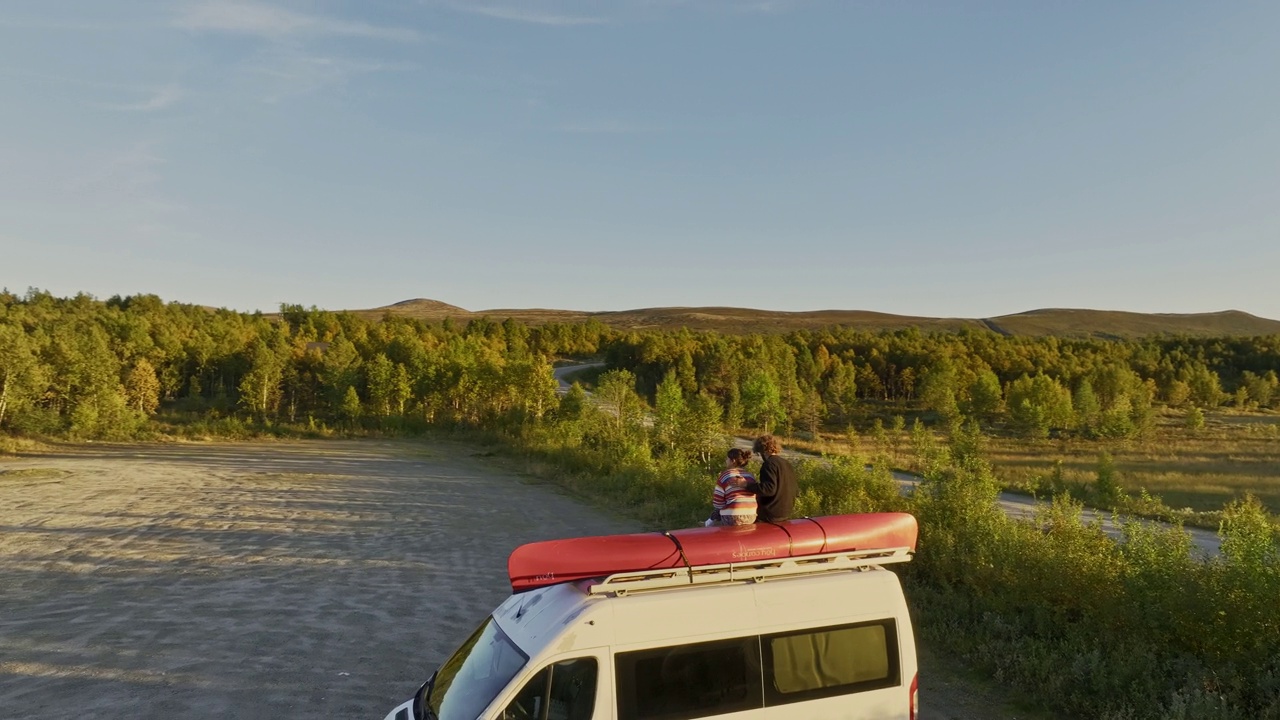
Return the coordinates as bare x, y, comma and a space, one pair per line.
563, 372
1023, 507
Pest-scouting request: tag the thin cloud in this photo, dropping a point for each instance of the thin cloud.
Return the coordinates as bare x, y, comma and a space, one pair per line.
68, 25
153, 98
526, 15
288, 72
126, 173
159, 100
551, 15
768, 7
607, 128
763, 7
248, 18
124, 189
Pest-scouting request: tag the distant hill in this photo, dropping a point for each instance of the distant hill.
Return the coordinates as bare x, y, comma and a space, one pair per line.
1117, 324
422, 306
1060, 322
746, 320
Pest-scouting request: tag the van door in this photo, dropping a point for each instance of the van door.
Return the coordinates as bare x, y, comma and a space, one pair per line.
564, 689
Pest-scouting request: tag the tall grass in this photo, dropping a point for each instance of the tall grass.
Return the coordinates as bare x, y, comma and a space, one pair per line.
13, 445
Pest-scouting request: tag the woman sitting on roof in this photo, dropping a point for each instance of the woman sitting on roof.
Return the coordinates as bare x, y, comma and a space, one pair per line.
732, 503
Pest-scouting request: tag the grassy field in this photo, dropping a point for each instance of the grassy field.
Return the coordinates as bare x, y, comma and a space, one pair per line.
1198, 471
1190, 475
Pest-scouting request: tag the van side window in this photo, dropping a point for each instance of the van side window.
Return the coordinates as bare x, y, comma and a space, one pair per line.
689, 681
563, 691
811, 664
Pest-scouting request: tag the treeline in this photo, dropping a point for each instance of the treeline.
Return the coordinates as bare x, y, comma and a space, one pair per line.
1027, 385
86, 368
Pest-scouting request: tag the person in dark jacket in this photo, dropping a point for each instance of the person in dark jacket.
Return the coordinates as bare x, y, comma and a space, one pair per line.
776, 486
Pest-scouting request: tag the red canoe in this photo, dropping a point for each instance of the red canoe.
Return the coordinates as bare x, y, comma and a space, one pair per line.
555, 561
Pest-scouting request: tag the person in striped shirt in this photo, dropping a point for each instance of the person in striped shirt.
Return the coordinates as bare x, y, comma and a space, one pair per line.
732, 503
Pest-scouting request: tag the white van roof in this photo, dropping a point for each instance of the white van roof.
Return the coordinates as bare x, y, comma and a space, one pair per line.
623, 610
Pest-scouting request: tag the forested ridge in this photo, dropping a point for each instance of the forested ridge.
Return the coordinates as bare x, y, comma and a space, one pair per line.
1087, 626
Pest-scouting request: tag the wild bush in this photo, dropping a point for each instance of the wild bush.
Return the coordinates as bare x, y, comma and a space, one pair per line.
1141, 628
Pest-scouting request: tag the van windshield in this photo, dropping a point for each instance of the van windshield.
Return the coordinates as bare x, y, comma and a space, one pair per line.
469, 680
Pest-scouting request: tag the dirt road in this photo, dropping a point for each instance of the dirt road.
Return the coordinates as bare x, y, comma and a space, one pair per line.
274, 580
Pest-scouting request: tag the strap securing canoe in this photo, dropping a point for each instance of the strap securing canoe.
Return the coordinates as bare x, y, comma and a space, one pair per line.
683, 558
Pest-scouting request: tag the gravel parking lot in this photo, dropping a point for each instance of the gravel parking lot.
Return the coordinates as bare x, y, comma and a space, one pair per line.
295, 580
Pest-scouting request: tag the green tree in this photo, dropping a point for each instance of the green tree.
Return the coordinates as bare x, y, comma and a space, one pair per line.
142, 387
1088, 410
1240, 398
733, 412
1123, 399
1261, 388
573, 405
616, 389
854, 439
85, 386
1038, 404
930, 457
401, 388
880, 437
907, 382
938, 388
381, 375
700, 437
1206, 387
984, 397
1248, 539
350, 410
1176, 393
687, 373
1106, 487
668, 408
619, 430
812, 410
1193, 418
339, 369
762, 401
1116, 421
840, 389
260, 386
20, 371
1271, 383
898, 434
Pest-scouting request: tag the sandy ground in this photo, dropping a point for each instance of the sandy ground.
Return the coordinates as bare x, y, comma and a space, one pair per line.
273, 580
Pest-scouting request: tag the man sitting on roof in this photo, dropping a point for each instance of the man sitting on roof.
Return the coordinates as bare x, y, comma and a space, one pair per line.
776, 487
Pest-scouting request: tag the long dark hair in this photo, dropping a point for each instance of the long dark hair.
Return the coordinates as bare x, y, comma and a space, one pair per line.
739, 457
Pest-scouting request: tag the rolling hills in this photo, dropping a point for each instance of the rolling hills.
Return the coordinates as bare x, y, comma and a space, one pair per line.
1060, 322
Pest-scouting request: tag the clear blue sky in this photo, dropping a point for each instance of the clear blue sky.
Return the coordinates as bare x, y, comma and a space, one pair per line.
945, 159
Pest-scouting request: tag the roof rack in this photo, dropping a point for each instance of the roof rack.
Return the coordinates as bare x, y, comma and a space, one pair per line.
751, 571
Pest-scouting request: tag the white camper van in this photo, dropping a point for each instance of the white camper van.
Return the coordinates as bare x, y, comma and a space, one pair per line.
818, 636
